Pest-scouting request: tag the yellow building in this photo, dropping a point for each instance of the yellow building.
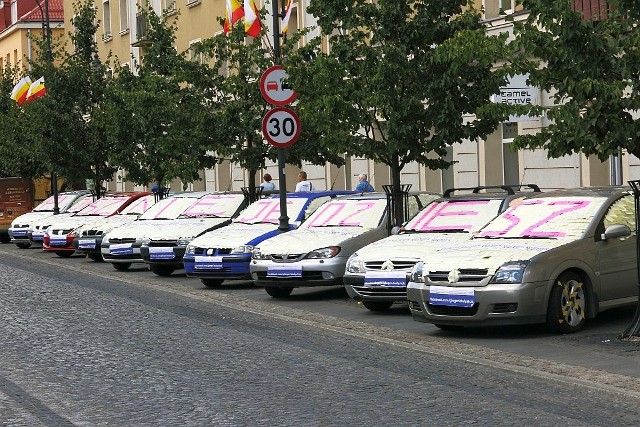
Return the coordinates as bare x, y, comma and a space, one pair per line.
19, 22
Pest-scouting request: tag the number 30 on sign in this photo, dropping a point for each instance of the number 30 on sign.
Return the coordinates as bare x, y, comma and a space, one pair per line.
281, 127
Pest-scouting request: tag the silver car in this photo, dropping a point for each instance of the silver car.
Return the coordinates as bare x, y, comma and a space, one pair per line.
558, 258
377, 274
316, 253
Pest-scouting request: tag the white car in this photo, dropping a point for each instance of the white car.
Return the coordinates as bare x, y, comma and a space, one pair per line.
377, 274
23, 226
89, 236
316, 253
164, 231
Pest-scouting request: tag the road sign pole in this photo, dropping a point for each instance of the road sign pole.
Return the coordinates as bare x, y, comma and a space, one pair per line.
283, 220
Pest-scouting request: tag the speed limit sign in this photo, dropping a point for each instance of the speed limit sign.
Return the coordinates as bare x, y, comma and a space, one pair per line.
281, 127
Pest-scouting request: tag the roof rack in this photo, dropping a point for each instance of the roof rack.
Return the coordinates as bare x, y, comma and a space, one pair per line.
508, 188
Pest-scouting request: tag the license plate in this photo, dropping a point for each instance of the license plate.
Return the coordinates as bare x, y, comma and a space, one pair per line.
284, 270
121, 249
161, 253
208, 263
58, 241
452, 296
391, 279
86, 244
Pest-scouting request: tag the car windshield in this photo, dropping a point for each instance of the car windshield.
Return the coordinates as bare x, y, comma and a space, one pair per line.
103, 206
140, 205
168, 208
64, 200
80, 204
544, 218
214, 205
268, 211
454, 216
348, 213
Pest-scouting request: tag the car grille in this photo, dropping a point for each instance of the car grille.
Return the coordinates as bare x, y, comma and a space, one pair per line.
447, 310
381, 291
122, 240
286, 257
63, 232
215, 251
466, 275
397, 264
92, 233
163, 243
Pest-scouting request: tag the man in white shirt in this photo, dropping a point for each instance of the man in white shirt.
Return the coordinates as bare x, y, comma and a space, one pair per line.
303, 184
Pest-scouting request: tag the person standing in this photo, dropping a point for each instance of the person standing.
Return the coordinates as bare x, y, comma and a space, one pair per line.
363, 185
303, 184
266, 184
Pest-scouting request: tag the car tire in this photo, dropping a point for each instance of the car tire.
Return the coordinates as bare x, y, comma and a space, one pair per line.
567, 310
162, 270
23, 245
64, 254
121, 266
278, 291
95, 257
211, 283
377, 305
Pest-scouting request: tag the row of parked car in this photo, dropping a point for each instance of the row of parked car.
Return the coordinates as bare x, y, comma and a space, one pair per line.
469, 257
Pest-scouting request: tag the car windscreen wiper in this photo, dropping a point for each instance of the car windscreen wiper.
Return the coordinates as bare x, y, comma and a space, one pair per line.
450, 230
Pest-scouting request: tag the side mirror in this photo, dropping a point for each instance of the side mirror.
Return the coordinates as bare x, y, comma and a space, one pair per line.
395, 230
295, 224
615, 231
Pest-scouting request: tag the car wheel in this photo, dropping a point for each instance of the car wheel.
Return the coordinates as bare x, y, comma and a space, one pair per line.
377, 305
64, 254
162, 270
278, 292
23, 245
211, 283
567, 304
121, 266
95, 257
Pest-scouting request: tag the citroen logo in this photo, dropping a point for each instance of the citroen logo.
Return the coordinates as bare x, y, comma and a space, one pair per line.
387, 265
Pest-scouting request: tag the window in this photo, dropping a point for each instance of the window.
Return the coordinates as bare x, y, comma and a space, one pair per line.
124, 16
507, 6
168, 6
106, 21
194, 55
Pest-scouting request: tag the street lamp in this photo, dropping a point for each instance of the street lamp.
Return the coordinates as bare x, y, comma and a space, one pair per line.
46, 33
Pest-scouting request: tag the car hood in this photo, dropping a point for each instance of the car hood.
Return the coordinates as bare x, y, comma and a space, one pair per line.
235, 235
165, 229
487, 254
74, 222
408, 245
29, 218
103, 225
307, 239
50, 220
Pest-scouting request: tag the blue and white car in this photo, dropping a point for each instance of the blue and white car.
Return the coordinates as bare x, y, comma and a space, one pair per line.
226, 253
23, 226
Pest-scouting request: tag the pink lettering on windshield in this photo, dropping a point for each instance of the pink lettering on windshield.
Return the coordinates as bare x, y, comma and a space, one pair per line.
428, 219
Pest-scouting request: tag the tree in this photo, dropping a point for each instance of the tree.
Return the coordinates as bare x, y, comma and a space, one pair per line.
592, 71
236, 105
154, 117
400, 80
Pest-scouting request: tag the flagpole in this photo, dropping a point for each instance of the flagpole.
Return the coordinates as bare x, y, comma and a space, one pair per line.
46, 33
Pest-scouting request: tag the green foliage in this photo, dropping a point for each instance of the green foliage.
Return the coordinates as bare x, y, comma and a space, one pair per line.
155, 119
400, 81
592, 71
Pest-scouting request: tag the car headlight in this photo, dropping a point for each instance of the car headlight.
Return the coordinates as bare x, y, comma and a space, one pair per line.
144, 240
510, 272
417, 273
184, 241
190, 250
242, 249
328, 252
105, 239
354, 264
257, 254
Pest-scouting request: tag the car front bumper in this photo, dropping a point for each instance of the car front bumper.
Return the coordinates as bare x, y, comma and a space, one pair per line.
364, 290
224, 267
495, 304
163, 255
304, 273
121, 253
